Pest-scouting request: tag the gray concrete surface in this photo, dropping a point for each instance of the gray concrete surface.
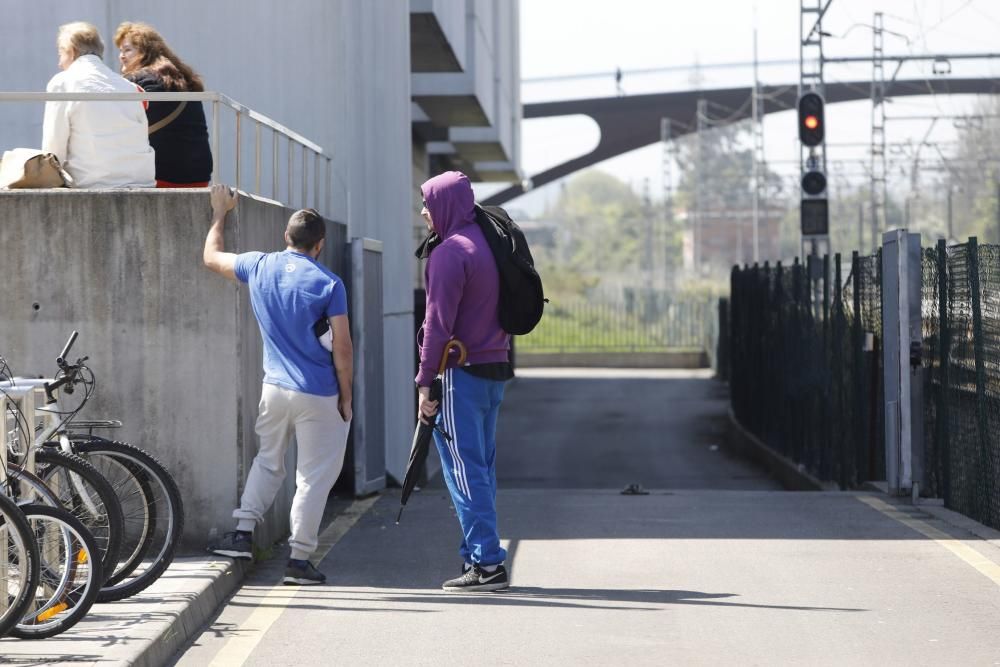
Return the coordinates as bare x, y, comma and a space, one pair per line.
605, 428
143, 631
682, 577
712, 566
701, 574
175, 349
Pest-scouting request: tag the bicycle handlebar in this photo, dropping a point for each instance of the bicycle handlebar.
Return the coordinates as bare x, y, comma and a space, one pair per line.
61, 359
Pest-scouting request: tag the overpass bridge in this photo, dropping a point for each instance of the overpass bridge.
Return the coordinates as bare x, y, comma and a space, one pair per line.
628, 123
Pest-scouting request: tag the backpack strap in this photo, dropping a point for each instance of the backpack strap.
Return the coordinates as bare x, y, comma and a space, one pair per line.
168, 119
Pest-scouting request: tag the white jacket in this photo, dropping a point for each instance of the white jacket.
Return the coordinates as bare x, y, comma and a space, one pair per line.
100, 144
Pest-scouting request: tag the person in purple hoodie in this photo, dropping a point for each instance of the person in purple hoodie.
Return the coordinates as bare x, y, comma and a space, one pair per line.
463, 290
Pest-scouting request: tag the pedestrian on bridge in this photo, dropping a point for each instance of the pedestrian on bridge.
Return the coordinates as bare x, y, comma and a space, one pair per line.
304, 391
463, 290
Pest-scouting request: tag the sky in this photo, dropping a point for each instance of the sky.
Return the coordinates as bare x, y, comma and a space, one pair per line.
573, 37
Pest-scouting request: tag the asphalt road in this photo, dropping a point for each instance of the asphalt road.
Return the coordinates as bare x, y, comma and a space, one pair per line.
713, 566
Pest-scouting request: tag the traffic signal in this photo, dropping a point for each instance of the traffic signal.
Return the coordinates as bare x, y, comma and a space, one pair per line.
815, 217
814, 183
811, 122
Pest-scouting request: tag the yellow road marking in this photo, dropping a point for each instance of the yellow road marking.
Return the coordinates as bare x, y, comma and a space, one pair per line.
983, 564
272, 606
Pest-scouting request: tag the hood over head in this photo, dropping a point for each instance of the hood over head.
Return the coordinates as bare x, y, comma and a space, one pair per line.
450, 201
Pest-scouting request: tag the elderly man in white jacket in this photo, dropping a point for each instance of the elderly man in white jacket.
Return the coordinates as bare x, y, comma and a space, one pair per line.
100, 144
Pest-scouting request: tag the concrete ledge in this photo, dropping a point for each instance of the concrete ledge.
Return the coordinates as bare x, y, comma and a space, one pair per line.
675, 359
147, 629
793, 476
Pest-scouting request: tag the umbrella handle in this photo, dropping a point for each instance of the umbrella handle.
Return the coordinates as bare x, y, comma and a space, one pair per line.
444, 433
462, 354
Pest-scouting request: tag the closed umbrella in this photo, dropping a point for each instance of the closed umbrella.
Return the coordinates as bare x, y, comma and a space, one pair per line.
423, 432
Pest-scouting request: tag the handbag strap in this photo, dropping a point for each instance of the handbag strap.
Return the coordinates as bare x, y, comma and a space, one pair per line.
169, 118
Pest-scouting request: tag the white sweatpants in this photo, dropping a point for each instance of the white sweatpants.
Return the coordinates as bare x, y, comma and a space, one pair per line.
321, 438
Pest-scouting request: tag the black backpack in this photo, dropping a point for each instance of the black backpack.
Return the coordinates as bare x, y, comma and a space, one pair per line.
521, 296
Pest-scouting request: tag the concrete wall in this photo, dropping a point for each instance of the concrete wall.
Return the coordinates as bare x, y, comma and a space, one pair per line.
335, 71
175, 348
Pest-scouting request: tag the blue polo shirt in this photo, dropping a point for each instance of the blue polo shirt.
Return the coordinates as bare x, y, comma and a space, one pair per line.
289, 293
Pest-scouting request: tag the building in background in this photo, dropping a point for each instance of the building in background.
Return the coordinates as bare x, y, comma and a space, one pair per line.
396, 91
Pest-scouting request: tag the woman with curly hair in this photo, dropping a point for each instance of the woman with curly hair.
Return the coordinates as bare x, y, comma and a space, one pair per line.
177, 130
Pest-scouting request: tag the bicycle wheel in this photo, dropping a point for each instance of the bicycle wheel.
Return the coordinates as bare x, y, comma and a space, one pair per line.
152, 541
69, 573
83, 491
18, 564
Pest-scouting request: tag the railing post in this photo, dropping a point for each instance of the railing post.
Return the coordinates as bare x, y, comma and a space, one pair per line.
239, 141
329, 186
291, 154
316, 181
216, 153
305, 178
274, 165
256, 170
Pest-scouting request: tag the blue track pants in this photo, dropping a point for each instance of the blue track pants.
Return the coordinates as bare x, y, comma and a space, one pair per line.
468, 412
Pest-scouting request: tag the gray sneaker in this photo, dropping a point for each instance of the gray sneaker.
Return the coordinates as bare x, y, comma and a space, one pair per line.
303, 576
477, 579
234, 545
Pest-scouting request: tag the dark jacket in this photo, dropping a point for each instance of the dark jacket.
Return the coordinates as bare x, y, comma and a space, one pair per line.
183, 154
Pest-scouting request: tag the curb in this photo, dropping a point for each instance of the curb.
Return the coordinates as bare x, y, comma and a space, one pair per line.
217, 580
793, 476
147, 629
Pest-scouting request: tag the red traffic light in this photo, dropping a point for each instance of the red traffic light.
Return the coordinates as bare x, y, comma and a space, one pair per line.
811, 119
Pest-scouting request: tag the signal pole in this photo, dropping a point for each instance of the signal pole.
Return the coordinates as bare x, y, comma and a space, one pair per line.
812, 158
878, 169
757, 113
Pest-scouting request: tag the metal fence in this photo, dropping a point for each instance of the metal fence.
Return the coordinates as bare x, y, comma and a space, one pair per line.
308, 168
961, 354
635, 325
805, 365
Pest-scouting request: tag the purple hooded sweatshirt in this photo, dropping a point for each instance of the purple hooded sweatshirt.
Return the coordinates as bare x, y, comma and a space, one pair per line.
463, 285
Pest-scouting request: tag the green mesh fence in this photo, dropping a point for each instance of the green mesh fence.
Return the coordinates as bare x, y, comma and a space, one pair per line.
805, 366
806, 377
961, 320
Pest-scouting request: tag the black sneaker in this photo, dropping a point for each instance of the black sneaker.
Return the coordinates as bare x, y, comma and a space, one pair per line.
234, 545
306, 575
478, 579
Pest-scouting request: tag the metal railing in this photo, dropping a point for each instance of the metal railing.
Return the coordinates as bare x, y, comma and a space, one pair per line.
636, 325
312, 155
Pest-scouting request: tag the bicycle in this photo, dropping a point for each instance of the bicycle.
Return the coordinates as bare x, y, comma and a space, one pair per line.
19, 570
153, 512
58, 478
54, 579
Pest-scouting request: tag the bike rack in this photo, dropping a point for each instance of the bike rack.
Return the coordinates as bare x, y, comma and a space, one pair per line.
19, 398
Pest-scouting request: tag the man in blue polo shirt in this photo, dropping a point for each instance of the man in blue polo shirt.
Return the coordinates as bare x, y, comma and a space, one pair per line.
304, 390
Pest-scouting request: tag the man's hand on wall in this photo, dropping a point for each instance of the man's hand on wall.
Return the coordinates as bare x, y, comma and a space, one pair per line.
223, 200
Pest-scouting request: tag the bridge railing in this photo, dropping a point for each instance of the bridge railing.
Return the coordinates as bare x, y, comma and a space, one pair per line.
308, 168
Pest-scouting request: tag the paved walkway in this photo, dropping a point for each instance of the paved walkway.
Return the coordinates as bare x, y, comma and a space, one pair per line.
714, 565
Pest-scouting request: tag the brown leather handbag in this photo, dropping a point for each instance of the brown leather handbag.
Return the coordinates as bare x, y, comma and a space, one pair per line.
30, 168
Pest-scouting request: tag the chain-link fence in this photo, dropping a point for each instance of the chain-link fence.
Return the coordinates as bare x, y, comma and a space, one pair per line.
805, 365
961, 349
806, 377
